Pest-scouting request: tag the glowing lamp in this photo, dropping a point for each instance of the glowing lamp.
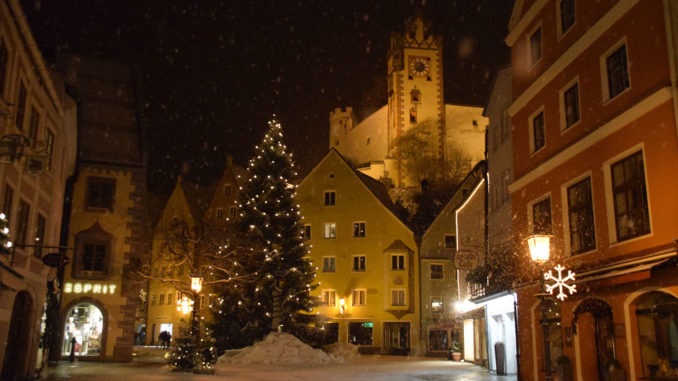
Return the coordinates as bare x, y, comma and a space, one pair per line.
342, 305
540, 247
196, 283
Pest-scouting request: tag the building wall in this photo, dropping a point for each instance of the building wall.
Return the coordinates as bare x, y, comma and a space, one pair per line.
641, 118
385, 235
23, 272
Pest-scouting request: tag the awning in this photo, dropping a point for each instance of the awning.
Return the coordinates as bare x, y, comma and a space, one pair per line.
627, 267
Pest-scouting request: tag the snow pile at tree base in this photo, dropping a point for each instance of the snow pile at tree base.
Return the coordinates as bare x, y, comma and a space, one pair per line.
279, 348
343, 351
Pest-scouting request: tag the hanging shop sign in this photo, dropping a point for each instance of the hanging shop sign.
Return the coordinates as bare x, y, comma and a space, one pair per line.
89, 288
466, 260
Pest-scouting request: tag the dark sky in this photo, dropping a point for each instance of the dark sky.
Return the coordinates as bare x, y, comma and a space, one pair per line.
212, 73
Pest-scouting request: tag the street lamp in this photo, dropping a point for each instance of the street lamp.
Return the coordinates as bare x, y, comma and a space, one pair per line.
196, 286
540, 249
342, 305
196, 283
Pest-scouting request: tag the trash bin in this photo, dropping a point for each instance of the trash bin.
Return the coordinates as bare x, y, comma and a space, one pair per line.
500, 357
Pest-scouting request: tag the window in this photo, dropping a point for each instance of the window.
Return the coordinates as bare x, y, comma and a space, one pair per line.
580, 211
330, 198
631, 211
358, 263
227, 190
538, 140
450, 241
567, 15
398, 262
329, 298
154, 299
170, 295
91, 259
415, 96
436, 271
571, 105
33, 127
437, 340
4, 58
541, 217
94, 257
552, 325
359, 298
397, 297
21, 106
329, 230
329, 264
359, 230
617, 72
658, 333
22, 222
7, 201
360, 333
161, 299
40, 227
50, 148
535, 45
306, 232
220, 214
101, 192
232, 211
436, 304
413, 115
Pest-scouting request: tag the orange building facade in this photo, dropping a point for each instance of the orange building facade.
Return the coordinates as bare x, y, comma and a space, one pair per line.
595, 153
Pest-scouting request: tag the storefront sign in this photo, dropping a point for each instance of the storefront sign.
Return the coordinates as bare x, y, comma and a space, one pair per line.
89, 288
466, 260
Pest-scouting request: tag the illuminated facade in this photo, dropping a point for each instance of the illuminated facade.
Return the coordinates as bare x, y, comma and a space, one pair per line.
366, 259
106, 228
33, 104
415, 105
594, 111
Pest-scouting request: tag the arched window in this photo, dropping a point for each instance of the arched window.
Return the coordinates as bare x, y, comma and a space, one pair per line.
85, 324
657, 314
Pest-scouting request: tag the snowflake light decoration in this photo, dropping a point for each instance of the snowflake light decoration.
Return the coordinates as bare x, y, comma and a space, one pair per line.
560, 283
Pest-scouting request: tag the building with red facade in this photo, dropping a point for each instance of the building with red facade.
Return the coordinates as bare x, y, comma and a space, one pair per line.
595, 150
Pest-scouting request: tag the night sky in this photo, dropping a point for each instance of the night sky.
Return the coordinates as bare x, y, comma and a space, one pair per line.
212, 73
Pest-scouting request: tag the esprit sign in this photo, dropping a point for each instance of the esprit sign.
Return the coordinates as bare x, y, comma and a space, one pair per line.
89, 288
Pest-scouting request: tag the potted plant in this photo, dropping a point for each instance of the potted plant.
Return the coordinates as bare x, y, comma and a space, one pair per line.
455, 351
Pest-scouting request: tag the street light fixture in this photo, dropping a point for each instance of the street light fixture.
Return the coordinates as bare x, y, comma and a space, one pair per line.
540, 250
196, 283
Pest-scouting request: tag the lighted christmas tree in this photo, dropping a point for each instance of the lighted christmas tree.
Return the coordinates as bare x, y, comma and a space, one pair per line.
270, 225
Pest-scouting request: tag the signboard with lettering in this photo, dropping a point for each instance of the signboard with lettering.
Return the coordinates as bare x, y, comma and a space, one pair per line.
89, 288
466, 260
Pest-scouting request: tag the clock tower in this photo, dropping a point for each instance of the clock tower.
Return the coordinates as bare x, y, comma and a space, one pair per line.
415, 90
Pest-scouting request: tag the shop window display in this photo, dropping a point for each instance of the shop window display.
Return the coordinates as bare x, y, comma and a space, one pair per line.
84, 323
657, 314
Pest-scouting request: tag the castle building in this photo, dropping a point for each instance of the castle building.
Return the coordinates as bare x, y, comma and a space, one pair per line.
594, 146
37, 152
106, 227
366, 259
447, 135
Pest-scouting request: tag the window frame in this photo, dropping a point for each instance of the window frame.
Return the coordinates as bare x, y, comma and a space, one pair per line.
431, 272
329, 264
396, 301
330, 198
441, 310
359, 229
529, 51
23, 220
362, 297
533, 142
92, 180
530, 213
398, 264
328, 298
564, 127
306, 232
604, 75
40, 232
361, 266
454, 239
566, 214
559, 18
332, 232
21, 104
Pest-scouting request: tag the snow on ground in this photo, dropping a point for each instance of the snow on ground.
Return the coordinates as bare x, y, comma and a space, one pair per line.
278, 348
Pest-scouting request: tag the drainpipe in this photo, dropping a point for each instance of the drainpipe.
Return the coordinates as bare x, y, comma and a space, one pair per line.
515, 323
670, 19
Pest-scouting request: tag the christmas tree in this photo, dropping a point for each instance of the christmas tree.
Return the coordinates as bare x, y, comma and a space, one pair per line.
270, 225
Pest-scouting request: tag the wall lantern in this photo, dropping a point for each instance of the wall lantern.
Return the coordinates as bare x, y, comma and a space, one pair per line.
540, 247
196, 283
342, 305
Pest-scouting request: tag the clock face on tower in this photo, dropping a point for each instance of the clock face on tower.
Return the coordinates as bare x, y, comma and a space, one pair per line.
419, 66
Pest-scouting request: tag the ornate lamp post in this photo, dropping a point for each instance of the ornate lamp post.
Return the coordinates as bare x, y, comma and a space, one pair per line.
196, 286
540, 251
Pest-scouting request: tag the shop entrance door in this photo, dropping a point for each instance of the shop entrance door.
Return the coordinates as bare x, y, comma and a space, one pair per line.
593, 318
18, 338
85, 324
397, 338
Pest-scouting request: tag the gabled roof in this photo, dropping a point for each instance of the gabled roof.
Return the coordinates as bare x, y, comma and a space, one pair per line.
198, 198
374, 186
155, 205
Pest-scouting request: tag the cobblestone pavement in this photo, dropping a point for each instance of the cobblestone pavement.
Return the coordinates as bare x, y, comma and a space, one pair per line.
378, 368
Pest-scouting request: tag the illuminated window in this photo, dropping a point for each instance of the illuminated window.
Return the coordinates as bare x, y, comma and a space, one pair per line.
329, 230
413, 115
360, 333
436, 304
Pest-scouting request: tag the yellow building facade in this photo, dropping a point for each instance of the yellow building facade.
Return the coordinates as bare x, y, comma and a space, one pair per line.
366, 259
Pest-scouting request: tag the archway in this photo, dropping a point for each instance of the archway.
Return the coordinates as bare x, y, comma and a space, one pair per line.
18, 339
593, 319
657, 317
83, 330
